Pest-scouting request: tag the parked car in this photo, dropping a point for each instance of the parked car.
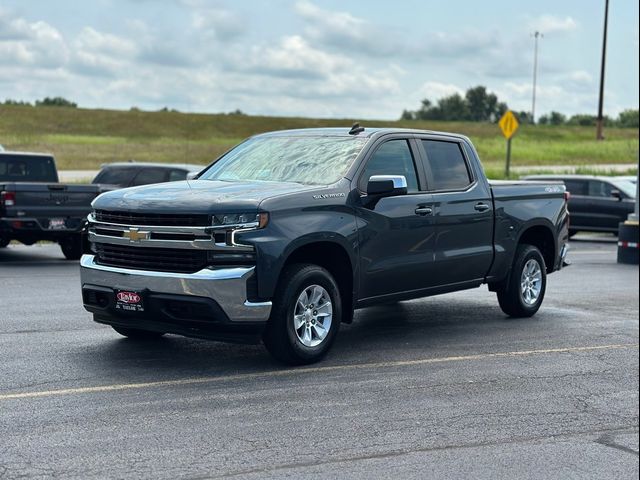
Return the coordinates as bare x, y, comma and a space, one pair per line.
35, 206
286, 234
131, 174
629, 178
597, 203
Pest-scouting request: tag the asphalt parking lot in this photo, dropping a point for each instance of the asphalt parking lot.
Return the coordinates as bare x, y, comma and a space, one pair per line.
445, 387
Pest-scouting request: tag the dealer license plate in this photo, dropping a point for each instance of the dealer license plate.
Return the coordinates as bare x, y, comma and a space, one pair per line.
129, 301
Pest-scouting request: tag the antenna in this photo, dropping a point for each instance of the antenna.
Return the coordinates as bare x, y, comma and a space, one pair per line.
356, 129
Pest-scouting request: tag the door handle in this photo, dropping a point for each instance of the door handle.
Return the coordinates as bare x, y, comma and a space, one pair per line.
482, 207
424, 211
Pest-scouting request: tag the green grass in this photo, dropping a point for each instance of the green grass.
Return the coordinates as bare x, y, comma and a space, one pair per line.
84, 139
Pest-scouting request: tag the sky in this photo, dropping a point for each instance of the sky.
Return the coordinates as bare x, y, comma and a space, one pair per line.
316, 58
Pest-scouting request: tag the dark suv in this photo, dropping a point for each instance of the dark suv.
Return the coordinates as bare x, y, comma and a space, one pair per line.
597, 204
131, 174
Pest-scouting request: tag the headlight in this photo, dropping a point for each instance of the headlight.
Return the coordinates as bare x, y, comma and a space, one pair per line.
240, 220
226, 225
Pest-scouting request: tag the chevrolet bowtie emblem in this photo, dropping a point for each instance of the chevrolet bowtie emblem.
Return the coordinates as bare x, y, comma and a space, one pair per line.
135, 235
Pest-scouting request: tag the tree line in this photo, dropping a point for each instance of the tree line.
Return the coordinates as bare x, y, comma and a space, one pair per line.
480, 105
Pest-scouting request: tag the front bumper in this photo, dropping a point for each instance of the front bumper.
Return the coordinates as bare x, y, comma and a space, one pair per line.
209, 303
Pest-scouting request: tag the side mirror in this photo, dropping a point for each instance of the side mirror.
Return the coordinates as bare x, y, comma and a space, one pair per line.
616, 194
387, 185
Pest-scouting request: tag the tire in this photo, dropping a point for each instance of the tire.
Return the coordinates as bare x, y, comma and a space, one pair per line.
517, 300
71, 247
317, 326
135, 334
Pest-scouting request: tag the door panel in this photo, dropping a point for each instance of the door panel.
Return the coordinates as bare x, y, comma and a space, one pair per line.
397, 234
396, 246
463, 209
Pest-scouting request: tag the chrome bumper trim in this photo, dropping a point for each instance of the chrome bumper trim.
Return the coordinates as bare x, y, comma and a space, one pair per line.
227, 286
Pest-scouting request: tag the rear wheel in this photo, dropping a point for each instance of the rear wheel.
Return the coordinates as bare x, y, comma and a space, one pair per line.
135, 334
72, 247
306, 315
522, 295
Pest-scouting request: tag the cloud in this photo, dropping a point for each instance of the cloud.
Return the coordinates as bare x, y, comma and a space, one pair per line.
30, 43
548, 24
217, 22
347, 32
98, 53
436, 90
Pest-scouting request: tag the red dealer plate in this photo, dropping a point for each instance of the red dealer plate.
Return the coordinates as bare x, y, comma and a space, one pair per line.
129, 301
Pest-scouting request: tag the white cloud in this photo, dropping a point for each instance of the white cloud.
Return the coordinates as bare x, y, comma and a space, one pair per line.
30, 43
98, 53
436, 90
218, 22
547, 24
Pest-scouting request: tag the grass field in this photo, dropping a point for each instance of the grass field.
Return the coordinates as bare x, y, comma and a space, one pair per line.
84, 139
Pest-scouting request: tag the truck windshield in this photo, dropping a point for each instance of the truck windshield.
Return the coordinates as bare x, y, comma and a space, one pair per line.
27, 168
306, 160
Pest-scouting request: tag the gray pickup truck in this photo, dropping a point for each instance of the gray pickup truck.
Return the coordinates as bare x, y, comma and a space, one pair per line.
35, 206
282, 237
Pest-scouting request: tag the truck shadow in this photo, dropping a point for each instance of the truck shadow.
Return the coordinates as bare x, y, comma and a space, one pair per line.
405, 330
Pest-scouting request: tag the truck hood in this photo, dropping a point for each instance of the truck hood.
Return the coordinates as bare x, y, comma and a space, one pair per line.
195, 196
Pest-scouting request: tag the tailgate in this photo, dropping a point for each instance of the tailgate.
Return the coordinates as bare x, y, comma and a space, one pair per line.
51, 200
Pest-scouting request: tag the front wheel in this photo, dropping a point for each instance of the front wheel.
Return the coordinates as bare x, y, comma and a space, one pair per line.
72, 247
522, 295
305, 317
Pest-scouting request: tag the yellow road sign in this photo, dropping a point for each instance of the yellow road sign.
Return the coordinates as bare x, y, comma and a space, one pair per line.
508, 124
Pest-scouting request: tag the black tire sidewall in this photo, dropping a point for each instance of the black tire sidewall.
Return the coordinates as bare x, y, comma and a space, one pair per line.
526, 253
298, 278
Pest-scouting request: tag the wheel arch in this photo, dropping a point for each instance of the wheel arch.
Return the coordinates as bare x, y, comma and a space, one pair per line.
333, 257
541, 236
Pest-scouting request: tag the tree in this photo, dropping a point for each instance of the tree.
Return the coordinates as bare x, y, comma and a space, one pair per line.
481, 104
524, 116
55, 102
628, 118
477, 105
557, 118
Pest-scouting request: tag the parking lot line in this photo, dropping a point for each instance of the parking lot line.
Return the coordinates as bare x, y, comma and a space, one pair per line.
305, 370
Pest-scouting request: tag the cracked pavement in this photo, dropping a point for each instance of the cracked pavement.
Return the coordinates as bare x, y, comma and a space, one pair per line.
411, 390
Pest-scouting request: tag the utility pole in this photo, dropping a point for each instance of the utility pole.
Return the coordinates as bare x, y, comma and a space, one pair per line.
536, 35
600, 119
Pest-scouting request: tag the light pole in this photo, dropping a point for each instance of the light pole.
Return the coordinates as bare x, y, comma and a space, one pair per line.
600, 119
536, 35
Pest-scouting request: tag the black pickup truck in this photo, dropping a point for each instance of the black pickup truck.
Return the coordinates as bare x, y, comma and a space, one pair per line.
35, 206
286, 234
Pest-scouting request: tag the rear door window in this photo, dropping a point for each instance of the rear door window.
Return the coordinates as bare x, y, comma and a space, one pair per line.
445, 160
121, 177
150, 175
176, 175
576, 187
